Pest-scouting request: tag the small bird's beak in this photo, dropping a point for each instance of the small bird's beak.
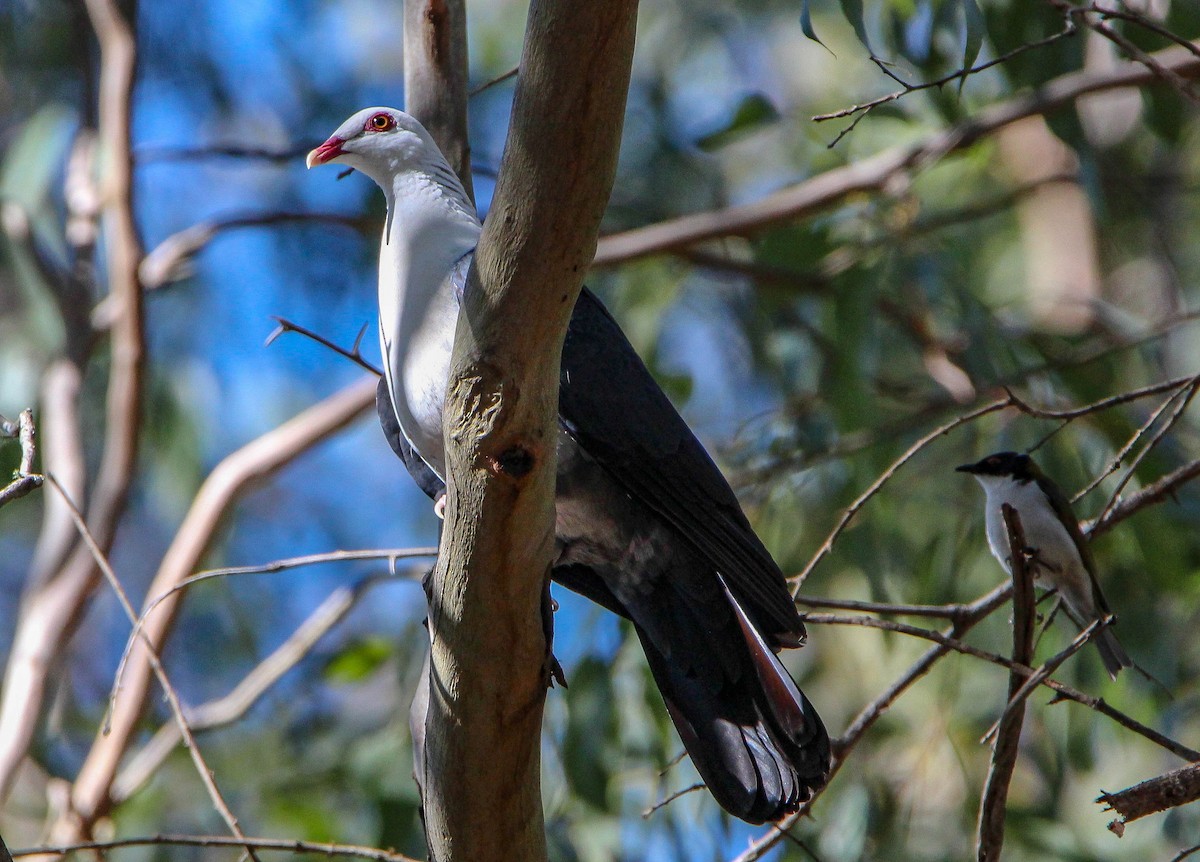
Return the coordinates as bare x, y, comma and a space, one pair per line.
327, 152
965, 468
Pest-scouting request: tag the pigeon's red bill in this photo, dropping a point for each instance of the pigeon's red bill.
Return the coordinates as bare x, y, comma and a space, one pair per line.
328, 151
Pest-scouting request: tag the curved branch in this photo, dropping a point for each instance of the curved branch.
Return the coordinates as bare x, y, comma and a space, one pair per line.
48, 617
90, 795
876, 173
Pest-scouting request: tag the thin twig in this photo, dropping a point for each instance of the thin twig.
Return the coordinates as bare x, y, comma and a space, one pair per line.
1063, 691
353, 354
1102, 403
1069, 29
869, 714
1175, 416
206, 774
1148, 496
852, 510
265, 568
1145, 23
24, 480
1119, 458
663, 803
499, 79
285, 845
1169, 75
1047, 667
237, 702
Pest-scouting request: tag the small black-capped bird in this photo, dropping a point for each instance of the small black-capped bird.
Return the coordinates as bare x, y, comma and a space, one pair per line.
1063, 560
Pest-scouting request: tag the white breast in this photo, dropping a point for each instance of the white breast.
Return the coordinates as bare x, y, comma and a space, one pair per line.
1059, 563
1041, 524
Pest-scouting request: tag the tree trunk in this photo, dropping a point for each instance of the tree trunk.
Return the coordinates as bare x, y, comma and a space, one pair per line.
490, 657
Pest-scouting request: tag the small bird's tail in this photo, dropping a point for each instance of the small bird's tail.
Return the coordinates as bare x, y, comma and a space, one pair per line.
756, 741
1111, 652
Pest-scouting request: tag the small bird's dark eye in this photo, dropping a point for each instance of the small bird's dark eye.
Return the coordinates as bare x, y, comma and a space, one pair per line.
380, 123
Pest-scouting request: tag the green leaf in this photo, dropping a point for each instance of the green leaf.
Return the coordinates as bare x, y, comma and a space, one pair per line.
806, 26
753, 111
359, 660
853, 10
975, 28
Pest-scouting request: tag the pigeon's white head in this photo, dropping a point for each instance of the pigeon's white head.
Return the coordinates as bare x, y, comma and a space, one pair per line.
380, 142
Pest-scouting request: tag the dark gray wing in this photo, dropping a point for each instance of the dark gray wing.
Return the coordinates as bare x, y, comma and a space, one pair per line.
612, 406
427, 480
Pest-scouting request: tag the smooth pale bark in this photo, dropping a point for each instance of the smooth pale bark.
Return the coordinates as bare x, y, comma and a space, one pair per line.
490, 656
435, 77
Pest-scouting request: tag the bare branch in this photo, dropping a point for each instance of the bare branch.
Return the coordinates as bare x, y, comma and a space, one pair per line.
206, 774
285, 845
228, 481
848, 515
1069, 29
877, 172
266, 568
1048, 667
993, 806
146, 154
123, 252
1119, 458
170, 260
236, 703
49, 615
1148, 496
435, 77
946, 612
25, 479
869, 714
1064, 692
499, 79
1150, 797
671, 797
353, 354
1175, 416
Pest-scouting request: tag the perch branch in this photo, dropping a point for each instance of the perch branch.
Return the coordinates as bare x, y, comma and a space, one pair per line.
202, 768
993, 807
877, 172
25, 480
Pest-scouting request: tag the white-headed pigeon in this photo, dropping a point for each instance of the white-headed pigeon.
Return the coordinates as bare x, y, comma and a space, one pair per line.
646, 525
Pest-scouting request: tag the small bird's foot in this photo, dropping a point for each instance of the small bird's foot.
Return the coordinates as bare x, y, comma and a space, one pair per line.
555, 674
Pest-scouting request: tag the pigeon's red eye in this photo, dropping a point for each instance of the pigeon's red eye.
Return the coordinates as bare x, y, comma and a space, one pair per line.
380, 123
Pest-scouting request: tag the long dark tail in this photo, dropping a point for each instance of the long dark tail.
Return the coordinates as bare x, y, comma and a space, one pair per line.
1111, 652
757, 742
